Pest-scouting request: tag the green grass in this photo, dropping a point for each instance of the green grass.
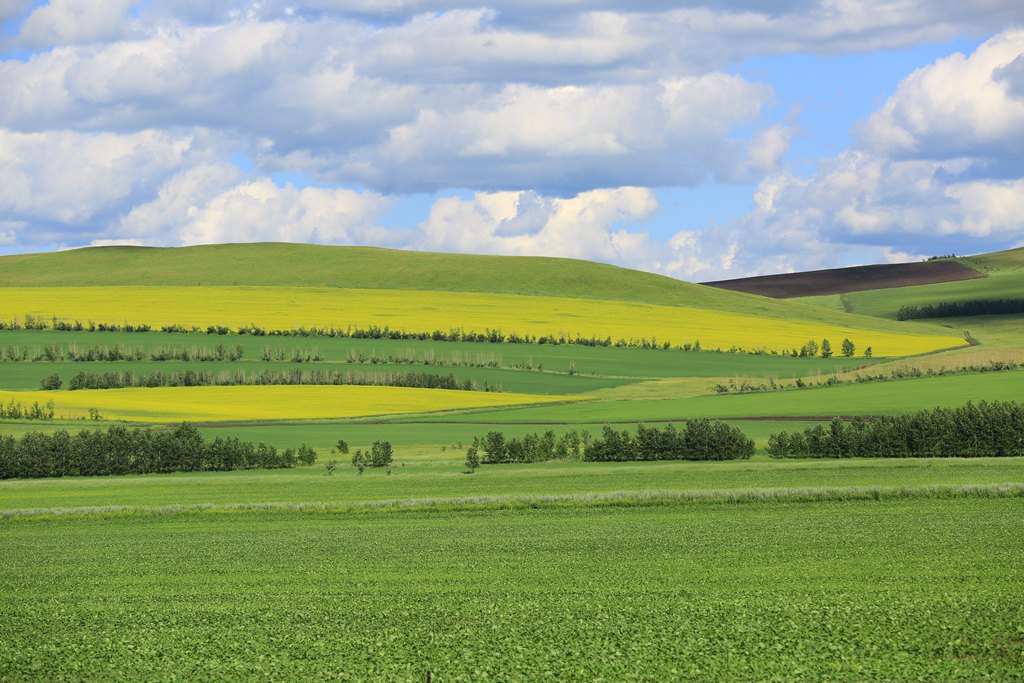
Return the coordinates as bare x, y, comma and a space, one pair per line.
922, 589
874, 398
440, 477
598, 361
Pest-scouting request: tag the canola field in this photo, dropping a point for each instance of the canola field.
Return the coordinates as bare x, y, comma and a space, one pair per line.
243, 403
284, 308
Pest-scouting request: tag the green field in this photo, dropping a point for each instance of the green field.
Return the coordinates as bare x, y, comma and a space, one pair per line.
759, 569
895, 589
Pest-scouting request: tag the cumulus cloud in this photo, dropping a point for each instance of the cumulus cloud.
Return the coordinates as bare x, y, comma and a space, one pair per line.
587, 225
939, 164
342, 115
208, 205
67, 22
960, 106
559, 116
73, 180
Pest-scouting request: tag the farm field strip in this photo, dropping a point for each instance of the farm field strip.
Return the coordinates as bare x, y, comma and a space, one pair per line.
872, 398
598, 361
217, 403
857, 590
288, 308
1005, 281
437, 478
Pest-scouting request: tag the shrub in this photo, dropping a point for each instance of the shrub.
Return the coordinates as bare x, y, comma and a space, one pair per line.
381, 454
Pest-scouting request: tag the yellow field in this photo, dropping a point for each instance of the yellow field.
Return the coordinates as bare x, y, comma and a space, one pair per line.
279, 308
219, 404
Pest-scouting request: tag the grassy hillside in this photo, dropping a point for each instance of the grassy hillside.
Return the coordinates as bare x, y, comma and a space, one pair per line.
305, 265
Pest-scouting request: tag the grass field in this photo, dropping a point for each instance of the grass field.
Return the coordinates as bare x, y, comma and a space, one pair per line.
892, 589
876, 398
442, 476
587, 360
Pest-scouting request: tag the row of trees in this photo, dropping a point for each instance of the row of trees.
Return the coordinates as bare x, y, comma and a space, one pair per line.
201, 378
120, 450
955, 309
812, 348
14, 410
120, 352
974, 430
701, 439
495, 448
698, 440
749, 385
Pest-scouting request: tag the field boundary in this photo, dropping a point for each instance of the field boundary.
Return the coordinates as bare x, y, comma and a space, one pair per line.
585, 500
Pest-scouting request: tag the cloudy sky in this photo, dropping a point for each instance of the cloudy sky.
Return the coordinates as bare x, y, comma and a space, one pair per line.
693, 138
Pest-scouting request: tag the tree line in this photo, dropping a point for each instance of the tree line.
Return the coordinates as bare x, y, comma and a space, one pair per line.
120, 450
119, 352
748, 385
956, 309
200, 378
698, 440
14, 410
701, 439
974, 430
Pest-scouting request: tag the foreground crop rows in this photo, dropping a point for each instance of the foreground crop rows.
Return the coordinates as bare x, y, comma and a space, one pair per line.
891, 589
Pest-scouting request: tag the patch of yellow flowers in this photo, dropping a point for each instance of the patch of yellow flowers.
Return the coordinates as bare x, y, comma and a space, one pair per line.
242, 403
284, 308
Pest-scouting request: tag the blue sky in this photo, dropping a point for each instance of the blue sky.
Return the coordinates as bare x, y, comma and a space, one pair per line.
700, 140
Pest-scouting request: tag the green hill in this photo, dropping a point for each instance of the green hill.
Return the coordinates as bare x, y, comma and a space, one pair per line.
304, 265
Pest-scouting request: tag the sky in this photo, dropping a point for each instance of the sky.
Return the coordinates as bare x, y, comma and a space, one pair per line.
701, 140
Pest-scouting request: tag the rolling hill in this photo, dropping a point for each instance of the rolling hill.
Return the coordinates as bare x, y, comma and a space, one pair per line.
283, 286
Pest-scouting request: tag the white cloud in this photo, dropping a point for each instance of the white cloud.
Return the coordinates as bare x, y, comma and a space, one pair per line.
70, 178
939, 164
523, 223
67, 22
960, 106
202, 207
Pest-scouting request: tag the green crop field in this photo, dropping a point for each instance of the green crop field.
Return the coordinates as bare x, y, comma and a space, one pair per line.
749, 569
893, 589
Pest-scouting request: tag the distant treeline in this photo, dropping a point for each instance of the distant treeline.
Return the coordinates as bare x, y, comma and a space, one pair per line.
698, 440
120, 450
202, 378
495, 336
119, 352
772, 384
956, 309
974, 430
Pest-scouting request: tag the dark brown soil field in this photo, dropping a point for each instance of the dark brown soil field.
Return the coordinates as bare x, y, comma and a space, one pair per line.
855, 279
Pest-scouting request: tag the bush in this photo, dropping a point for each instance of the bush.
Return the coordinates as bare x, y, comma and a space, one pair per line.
51, 383
381, 454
